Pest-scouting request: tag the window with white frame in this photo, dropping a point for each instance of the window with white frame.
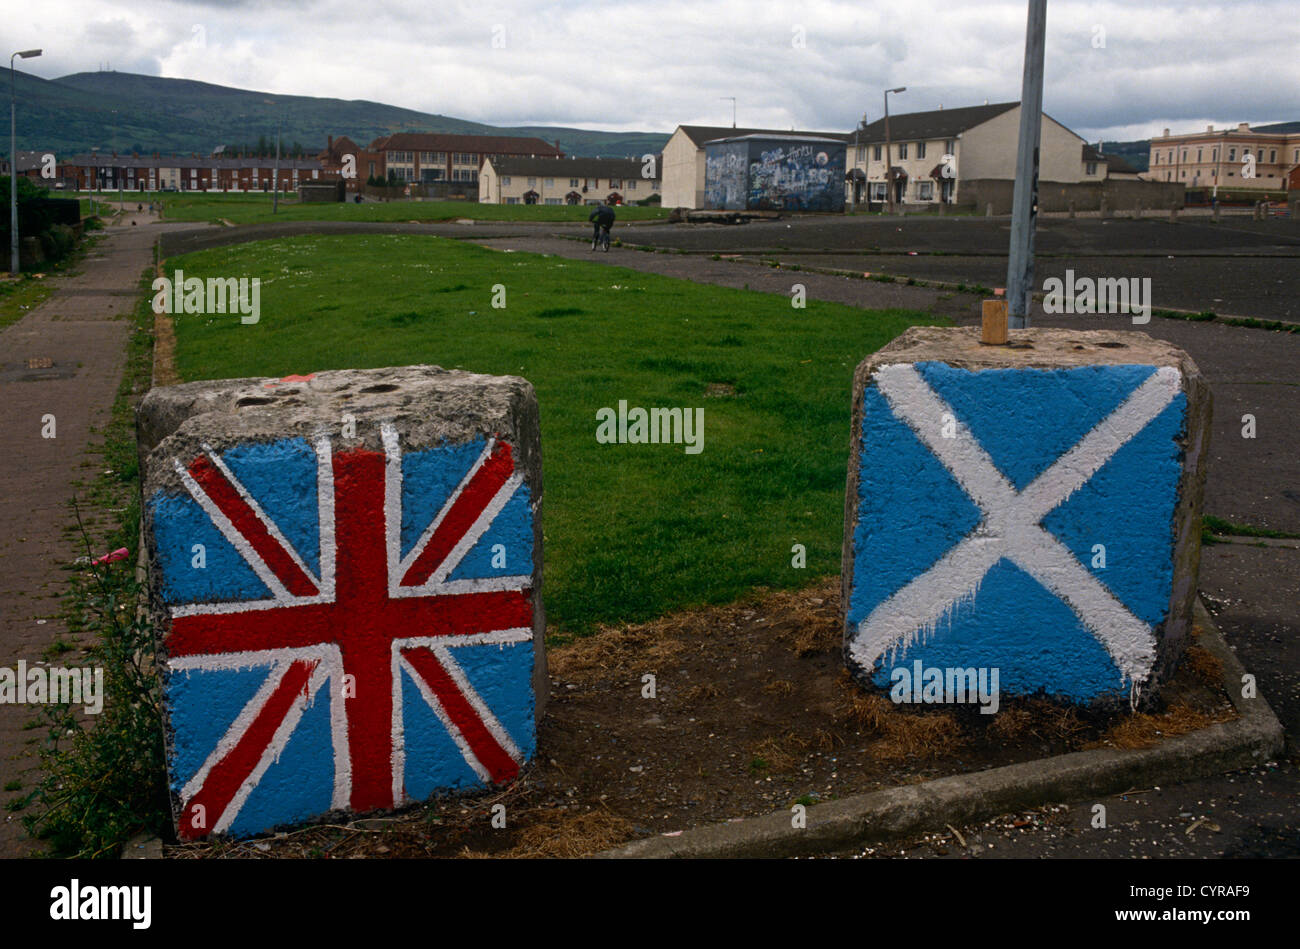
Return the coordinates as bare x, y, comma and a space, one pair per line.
902, 150
875, 153
1090, 168
573, 182
925, 190
505, 181
877, 191
920, 149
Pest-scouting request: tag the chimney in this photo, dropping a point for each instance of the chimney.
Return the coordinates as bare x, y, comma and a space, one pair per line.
1209, 128
1243, 126
1166, 133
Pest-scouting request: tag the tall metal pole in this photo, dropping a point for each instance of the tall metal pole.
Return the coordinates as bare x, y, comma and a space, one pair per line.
13, 159
1024, 210
13, 170
275, 172
889, 162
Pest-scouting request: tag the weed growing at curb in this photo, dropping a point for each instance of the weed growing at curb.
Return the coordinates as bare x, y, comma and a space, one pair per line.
105, 782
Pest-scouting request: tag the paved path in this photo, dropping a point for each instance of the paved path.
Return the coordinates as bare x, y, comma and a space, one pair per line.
81, 330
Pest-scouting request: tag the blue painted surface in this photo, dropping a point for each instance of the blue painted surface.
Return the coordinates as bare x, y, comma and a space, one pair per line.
778, 174
202, 705
911, 512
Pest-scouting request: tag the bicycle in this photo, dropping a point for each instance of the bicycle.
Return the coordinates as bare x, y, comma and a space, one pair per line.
601, 240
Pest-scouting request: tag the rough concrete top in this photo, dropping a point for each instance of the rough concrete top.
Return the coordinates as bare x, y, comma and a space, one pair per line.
1031, 349
427, 405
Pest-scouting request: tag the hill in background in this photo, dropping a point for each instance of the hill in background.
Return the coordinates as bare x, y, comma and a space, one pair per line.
125, 111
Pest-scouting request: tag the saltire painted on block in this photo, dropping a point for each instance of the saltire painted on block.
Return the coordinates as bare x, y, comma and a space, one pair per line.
981, 498
357, 632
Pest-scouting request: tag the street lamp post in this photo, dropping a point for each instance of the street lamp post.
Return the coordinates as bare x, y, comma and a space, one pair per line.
13, 159
1024, 206
889, 162
275, 172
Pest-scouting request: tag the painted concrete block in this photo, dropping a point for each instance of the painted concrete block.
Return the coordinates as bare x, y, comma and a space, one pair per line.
1031, 508
345, 574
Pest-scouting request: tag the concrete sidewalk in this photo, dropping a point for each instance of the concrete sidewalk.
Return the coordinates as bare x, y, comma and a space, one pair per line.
81, 332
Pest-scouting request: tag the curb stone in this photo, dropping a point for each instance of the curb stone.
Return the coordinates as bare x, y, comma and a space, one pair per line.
1254, 736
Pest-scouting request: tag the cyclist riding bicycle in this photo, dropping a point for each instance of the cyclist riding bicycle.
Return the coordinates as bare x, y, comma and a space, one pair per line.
602, 220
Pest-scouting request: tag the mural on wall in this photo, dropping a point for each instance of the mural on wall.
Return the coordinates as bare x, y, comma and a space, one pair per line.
1022, 522
726, 176
798, 177
761, 173
350, 630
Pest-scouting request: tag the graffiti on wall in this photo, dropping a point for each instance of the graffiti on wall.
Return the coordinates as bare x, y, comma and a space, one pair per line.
726, 177
802, 177
349, 630
1016, 519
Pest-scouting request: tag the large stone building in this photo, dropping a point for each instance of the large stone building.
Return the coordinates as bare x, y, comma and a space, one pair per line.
566, 180
426, 158
1240, 158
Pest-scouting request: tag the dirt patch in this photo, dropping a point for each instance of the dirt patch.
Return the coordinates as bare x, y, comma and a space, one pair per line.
752, 711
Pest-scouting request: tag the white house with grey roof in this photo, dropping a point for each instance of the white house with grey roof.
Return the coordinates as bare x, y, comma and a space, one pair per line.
567, 180
933, 152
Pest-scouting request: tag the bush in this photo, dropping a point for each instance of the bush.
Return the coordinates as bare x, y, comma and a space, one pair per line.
57, 241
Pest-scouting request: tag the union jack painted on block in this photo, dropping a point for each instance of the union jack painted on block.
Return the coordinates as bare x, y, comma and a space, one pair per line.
395, 589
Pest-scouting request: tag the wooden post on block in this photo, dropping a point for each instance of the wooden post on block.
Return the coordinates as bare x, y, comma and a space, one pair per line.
995, 323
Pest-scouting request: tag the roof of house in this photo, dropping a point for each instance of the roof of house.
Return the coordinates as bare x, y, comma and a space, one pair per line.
483, 144
938, 123
572, 167
782, 136
183, 161
1114, 163
699, 134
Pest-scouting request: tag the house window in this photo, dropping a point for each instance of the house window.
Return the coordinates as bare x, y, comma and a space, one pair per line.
433, 158
875, 153
404, 158
1214, 155
950, 147
464, 158
925, 190
1232, 154
877, 191
548, 183
902, 150
512, 200
506, 181
920, 149
532, 182
1198, 155
1091, 168
615, 184
554, 201
1155, 158
573, 182
1272, 155
861, 151
631, 184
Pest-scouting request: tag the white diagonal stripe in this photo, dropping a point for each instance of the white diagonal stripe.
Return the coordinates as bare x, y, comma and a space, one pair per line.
1009, 527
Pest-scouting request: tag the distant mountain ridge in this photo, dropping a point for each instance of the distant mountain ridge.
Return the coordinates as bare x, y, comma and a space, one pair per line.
116, 111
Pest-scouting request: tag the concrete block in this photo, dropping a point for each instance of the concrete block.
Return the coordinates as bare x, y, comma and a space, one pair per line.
345, 577
1031, 508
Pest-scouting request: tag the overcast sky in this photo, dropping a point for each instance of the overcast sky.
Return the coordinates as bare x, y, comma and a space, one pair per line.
1114, 70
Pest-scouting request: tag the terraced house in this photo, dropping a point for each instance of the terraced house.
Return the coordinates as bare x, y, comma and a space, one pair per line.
144, 173
567, 180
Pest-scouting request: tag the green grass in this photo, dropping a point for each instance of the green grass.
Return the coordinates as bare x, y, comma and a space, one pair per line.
1218, 525
256, 208
631, 531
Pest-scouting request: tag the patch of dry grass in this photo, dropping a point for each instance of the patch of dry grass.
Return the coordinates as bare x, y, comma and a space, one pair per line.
1144, 730
550, 834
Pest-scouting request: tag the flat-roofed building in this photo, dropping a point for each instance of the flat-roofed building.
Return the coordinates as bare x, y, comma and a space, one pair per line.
684, 160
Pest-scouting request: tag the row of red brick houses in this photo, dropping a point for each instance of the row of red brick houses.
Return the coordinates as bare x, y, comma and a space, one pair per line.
407, 157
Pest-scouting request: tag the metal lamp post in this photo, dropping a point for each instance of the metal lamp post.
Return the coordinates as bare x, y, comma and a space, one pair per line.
889, 162
1024, 208
13, 158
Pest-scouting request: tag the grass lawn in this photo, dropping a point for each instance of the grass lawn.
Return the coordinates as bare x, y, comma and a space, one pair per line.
632, 531
256, 208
